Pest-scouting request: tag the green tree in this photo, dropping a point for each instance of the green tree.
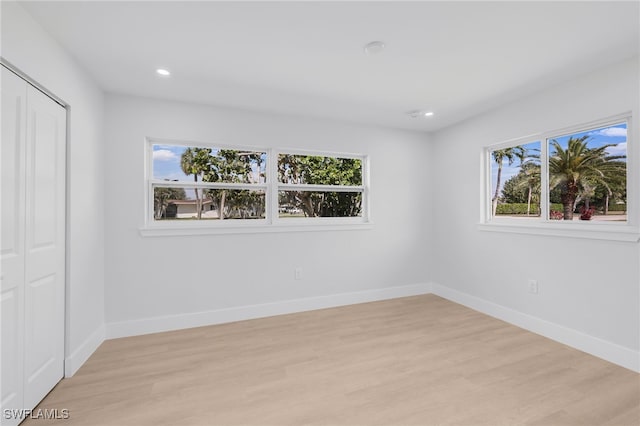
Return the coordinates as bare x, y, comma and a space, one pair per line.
232, 166
162, 197
578, 169
617, 191
510, 154
513, 192
530, 182
195, 161
318, 170
525, 186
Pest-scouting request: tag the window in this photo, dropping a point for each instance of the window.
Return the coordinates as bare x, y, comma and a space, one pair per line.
207, 184
588, 174
319, 186
200, 185
577, 176
515, 181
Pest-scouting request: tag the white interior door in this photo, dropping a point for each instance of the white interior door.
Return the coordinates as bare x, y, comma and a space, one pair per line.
45, 246
33, 244
12, 236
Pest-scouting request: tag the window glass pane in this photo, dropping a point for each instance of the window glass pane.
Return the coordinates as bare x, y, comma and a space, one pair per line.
515, 181
319, 204
196, 164
207, 204
588, 175
318, 170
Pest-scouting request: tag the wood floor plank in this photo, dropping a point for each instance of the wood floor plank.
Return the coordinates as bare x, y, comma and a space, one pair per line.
413, 361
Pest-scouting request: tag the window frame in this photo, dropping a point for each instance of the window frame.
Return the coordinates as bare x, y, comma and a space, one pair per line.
278, 186
543, 225
272, 222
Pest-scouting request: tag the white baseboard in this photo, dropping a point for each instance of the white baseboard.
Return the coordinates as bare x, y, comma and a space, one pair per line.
220, 316
81, 354
606, 350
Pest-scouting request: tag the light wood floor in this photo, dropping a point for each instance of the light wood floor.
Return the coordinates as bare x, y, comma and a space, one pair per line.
413, 361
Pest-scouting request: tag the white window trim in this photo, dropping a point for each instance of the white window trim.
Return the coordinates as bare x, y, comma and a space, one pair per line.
543, 226
272, 222
319, 221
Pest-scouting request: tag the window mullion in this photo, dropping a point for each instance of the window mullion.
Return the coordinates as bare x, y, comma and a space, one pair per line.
366, 203
544, 180
319, 188
488, 191
208, 185
150, 207
273, 189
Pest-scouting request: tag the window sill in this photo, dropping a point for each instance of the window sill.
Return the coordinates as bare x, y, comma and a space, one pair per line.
178, 231
623, 233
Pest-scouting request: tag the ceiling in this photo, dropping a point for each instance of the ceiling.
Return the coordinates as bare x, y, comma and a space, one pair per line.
456, 59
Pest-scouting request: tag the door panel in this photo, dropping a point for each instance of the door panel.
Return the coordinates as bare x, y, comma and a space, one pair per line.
12, 355
40, 339
45, 246
42, 174
12, 267
13, 91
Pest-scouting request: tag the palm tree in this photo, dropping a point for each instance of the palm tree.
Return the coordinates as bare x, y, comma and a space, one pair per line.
531, 181
617, 189
195, 161
579, 167
499, 155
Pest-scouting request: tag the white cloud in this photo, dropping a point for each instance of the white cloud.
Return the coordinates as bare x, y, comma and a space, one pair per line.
619, 149
164, 155
612, 132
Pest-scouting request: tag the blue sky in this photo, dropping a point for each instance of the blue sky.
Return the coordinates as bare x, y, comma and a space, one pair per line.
603, 136
166, 163
597, 137
509, 171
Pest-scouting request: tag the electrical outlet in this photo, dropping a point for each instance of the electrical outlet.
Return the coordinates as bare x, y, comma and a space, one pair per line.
297, 273
533, 286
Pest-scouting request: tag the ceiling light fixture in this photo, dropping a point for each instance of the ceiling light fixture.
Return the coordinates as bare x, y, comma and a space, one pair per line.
374, 47
419, 113
163, 72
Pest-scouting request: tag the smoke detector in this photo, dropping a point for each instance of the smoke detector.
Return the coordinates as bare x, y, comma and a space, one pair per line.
374, 47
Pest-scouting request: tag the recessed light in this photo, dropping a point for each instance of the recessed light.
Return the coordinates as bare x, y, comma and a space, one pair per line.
419, 113
163, 72
374, 47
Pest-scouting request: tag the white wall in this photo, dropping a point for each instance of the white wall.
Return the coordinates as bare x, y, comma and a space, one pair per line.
153, 277
28, 47
589, 286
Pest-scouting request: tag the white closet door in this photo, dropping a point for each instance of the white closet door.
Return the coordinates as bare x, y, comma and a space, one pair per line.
12, 267
44, 246
32, 250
